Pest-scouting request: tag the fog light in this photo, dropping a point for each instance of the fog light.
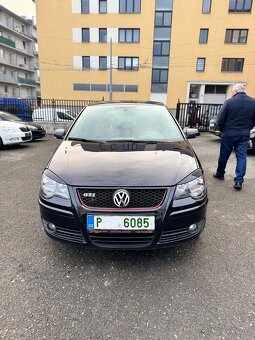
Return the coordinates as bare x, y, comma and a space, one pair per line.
52, 227
192, 227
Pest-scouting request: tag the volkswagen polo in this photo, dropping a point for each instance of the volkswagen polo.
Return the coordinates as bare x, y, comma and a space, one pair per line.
124, 177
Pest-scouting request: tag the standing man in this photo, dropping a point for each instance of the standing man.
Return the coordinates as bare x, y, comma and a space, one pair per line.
235, 120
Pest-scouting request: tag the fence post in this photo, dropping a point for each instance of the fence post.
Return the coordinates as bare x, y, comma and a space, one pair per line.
177, 114
53, 109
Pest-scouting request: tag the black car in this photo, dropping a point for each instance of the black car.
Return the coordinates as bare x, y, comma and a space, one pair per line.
37, 130
124, 177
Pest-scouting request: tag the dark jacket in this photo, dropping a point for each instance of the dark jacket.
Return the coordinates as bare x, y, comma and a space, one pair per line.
237, 116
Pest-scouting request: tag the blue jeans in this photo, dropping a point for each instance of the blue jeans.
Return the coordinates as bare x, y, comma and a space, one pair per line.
239, 144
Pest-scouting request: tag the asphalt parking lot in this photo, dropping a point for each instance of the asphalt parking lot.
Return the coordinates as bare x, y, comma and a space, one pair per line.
204, 289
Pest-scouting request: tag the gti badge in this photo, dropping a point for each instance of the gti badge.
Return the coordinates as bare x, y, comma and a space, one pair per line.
89, 194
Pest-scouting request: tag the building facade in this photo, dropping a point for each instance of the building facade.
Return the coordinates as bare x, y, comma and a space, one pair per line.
162, 50
19, 66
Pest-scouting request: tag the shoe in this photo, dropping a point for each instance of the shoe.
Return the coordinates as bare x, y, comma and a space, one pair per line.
238, 185
215, 175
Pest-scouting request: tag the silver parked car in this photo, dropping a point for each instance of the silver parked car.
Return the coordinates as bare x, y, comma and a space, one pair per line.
214, 130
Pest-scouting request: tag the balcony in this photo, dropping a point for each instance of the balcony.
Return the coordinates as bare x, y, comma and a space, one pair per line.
14, 64
8, 79
7, 42
26, 81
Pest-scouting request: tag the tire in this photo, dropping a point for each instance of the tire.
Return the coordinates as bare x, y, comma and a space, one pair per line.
1, 143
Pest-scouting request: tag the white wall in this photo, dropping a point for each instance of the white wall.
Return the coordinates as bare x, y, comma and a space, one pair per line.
113, 6
94, 6
76, 6
94, 34
112, 33
159, 97
77, 35
77, 62
94, 62
114, 62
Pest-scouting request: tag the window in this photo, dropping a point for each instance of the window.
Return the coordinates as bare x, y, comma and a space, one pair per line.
161, 48
25, 60
236, 36
103, 34
129, 35
240, 5
200, 64
102, 63
203, 37
216, 89
160, 62
131, 88
128, 63
86, 63
85, 34
102, 6
232, 64
130, 6
163, 19
206, 8
164, 4
162, 33
24, 44
85, 6
159, 76
5, 88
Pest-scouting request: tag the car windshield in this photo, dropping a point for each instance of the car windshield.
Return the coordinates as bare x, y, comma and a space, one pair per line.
9, 116
126, 122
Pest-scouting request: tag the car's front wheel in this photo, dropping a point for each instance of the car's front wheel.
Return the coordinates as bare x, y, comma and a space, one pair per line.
1, 143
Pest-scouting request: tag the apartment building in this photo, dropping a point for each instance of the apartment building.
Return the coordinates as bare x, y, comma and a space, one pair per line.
19, 65
162, 50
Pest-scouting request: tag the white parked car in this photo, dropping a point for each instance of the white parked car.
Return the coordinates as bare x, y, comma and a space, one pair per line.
52, 114
13, 133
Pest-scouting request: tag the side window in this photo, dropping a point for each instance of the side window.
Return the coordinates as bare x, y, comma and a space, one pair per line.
63, 115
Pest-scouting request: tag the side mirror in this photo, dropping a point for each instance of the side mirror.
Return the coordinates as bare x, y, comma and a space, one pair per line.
59, 133
191, 132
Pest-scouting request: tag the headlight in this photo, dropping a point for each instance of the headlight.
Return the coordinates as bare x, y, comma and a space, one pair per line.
9, 129
50, 188
194, 189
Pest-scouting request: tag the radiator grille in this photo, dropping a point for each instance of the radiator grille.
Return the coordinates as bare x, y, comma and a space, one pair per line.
139, 198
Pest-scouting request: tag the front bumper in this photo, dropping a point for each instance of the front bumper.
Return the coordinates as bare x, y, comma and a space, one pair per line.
16, 138
171, 227
38, 134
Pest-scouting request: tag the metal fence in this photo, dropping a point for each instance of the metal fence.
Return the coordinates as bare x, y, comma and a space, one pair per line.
196, 115
47, 110
61, 110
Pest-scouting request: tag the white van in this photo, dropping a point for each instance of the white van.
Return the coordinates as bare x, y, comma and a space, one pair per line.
13, 133
52, 114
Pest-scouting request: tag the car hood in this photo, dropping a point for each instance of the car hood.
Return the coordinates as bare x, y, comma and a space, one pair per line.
36, 125
123, 164
7, 123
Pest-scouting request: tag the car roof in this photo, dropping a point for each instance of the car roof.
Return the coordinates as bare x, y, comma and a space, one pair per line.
126, 102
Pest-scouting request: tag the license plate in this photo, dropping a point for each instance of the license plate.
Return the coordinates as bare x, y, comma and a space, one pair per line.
120, 223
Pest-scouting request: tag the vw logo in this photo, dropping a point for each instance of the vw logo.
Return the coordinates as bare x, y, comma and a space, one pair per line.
121, 198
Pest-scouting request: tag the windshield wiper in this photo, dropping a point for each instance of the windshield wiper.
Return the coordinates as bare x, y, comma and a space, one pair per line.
86, 140
132, 141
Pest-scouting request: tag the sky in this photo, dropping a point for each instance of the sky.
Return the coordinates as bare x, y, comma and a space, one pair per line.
20, 7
